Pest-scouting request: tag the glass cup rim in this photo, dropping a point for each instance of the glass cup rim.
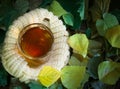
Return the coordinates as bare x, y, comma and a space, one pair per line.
24, 30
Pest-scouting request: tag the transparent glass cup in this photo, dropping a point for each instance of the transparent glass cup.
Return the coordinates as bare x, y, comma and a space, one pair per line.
35, 41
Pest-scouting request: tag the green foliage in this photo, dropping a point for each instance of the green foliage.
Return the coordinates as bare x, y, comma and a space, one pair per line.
68, 19
73, 12
3, 76
108, 18
101, 27
36, 85
22, 6
81, 9
109, 72
108, 21
72, 7
11, 10
48, 76
95, 11
85, 79
79, 43
57, 9
98, 8
113, 36
70, 73
93, 70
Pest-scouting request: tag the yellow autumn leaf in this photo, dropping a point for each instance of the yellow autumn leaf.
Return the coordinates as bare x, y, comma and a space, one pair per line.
79, 43
48, 75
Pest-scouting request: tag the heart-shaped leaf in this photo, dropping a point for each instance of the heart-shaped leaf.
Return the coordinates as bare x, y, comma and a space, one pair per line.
72, 76
101, 27
48, 76
113, 36
108, 21
79, 43
109, 72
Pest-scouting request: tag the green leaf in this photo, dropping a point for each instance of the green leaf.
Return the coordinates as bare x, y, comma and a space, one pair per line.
35, 85
96, 9
113, 36
81, 9
109, 72
93, 70
68, 19
72, 8
101, 27
108, 21
72, 76
57, 9
22, 6
79, 43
